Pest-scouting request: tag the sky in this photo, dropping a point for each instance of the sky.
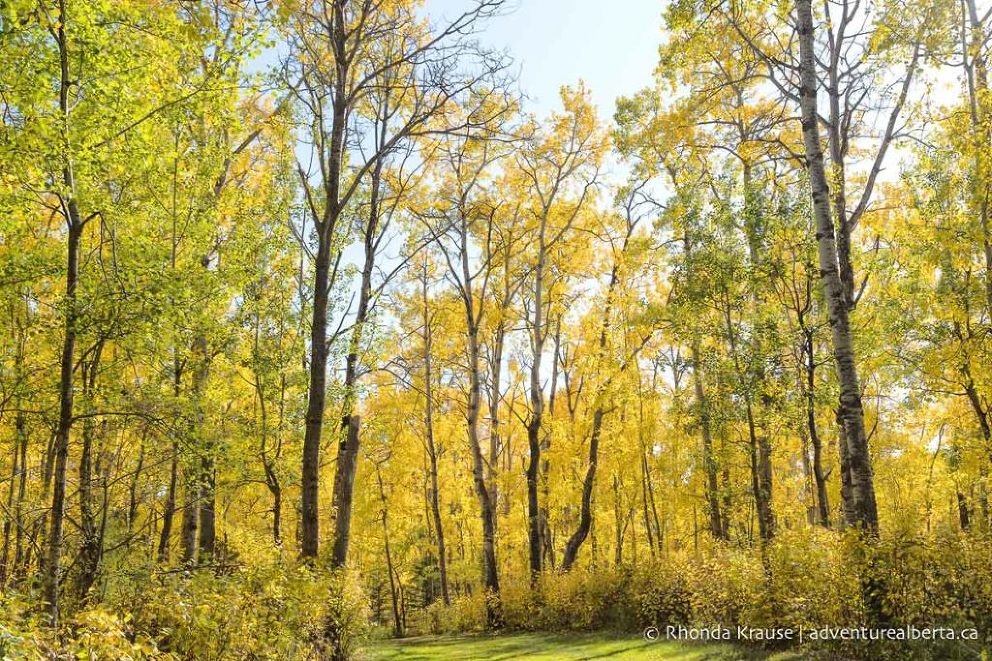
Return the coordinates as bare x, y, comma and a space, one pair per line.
612, 46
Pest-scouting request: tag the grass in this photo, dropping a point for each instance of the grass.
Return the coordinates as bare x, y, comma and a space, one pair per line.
550, 647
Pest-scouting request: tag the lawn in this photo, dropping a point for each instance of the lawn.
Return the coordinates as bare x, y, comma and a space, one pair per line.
549, 647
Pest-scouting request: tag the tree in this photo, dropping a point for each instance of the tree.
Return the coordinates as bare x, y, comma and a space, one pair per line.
463, 228
368, 79
863, 509
635, 206
72, 49
558, 170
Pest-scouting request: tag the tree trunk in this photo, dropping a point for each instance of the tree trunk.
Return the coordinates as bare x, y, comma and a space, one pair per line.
644, 503
347, 463
495, 394
206, 482
191, 511
535, 421
487, 509
89, 552
19, 555
547, 536
9, 520
756, 416
398, 619
75, 223
837, 189
533, 472
317, 390
820, 481
976, 405
208, 508
585, 512
488, 512
67, 364
618, 524
431, 445
864, 510
170, 498
759, 457
316, 394
709, 461
964, 517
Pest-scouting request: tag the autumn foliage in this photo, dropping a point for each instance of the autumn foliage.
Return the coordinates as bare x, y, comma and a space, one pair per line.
311, 331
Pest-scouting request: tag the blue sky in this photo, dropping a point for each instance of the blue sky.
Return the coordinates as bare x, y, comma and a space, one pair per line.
612, 46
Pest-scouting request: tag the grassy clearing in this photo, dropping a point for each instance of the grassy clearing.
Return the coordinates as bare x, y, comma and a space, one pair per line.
550, 647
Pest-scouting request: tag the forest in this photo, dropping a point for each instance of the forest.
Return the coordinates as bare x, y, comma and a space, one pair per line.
315, 336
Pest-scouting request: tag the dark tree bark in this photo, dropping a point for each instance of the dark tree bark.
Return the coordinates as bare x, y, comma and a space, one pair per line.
170, 497
347, 463
12, 519
316, 395
585, 511
67, 363
964, 516
90, 549
326, 226
585, 508
191, 512
19, 553
488, 511
644, 502
75, 224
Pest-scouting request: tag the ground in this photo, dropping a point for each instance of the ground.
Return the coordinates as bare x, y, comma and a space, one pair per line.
549, 647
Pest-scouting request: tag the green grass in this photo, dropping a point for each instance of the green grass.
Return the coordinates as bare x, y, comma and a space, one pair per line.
549, 647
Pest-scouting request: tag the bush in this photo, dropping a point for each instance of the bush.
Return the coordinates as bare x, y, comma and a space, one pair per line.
663, 597
466, 613
22, 635
258, 612
804, 579
93, 633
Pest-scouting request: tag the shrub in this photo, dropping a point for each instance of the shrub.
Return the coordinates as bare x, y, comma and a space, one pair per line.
467, 613
802, 579
662, 596
256, 612
93, 633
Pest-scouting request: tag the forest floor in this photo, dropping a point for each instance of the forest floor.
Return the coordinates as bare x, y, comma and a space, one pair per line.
552, 647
